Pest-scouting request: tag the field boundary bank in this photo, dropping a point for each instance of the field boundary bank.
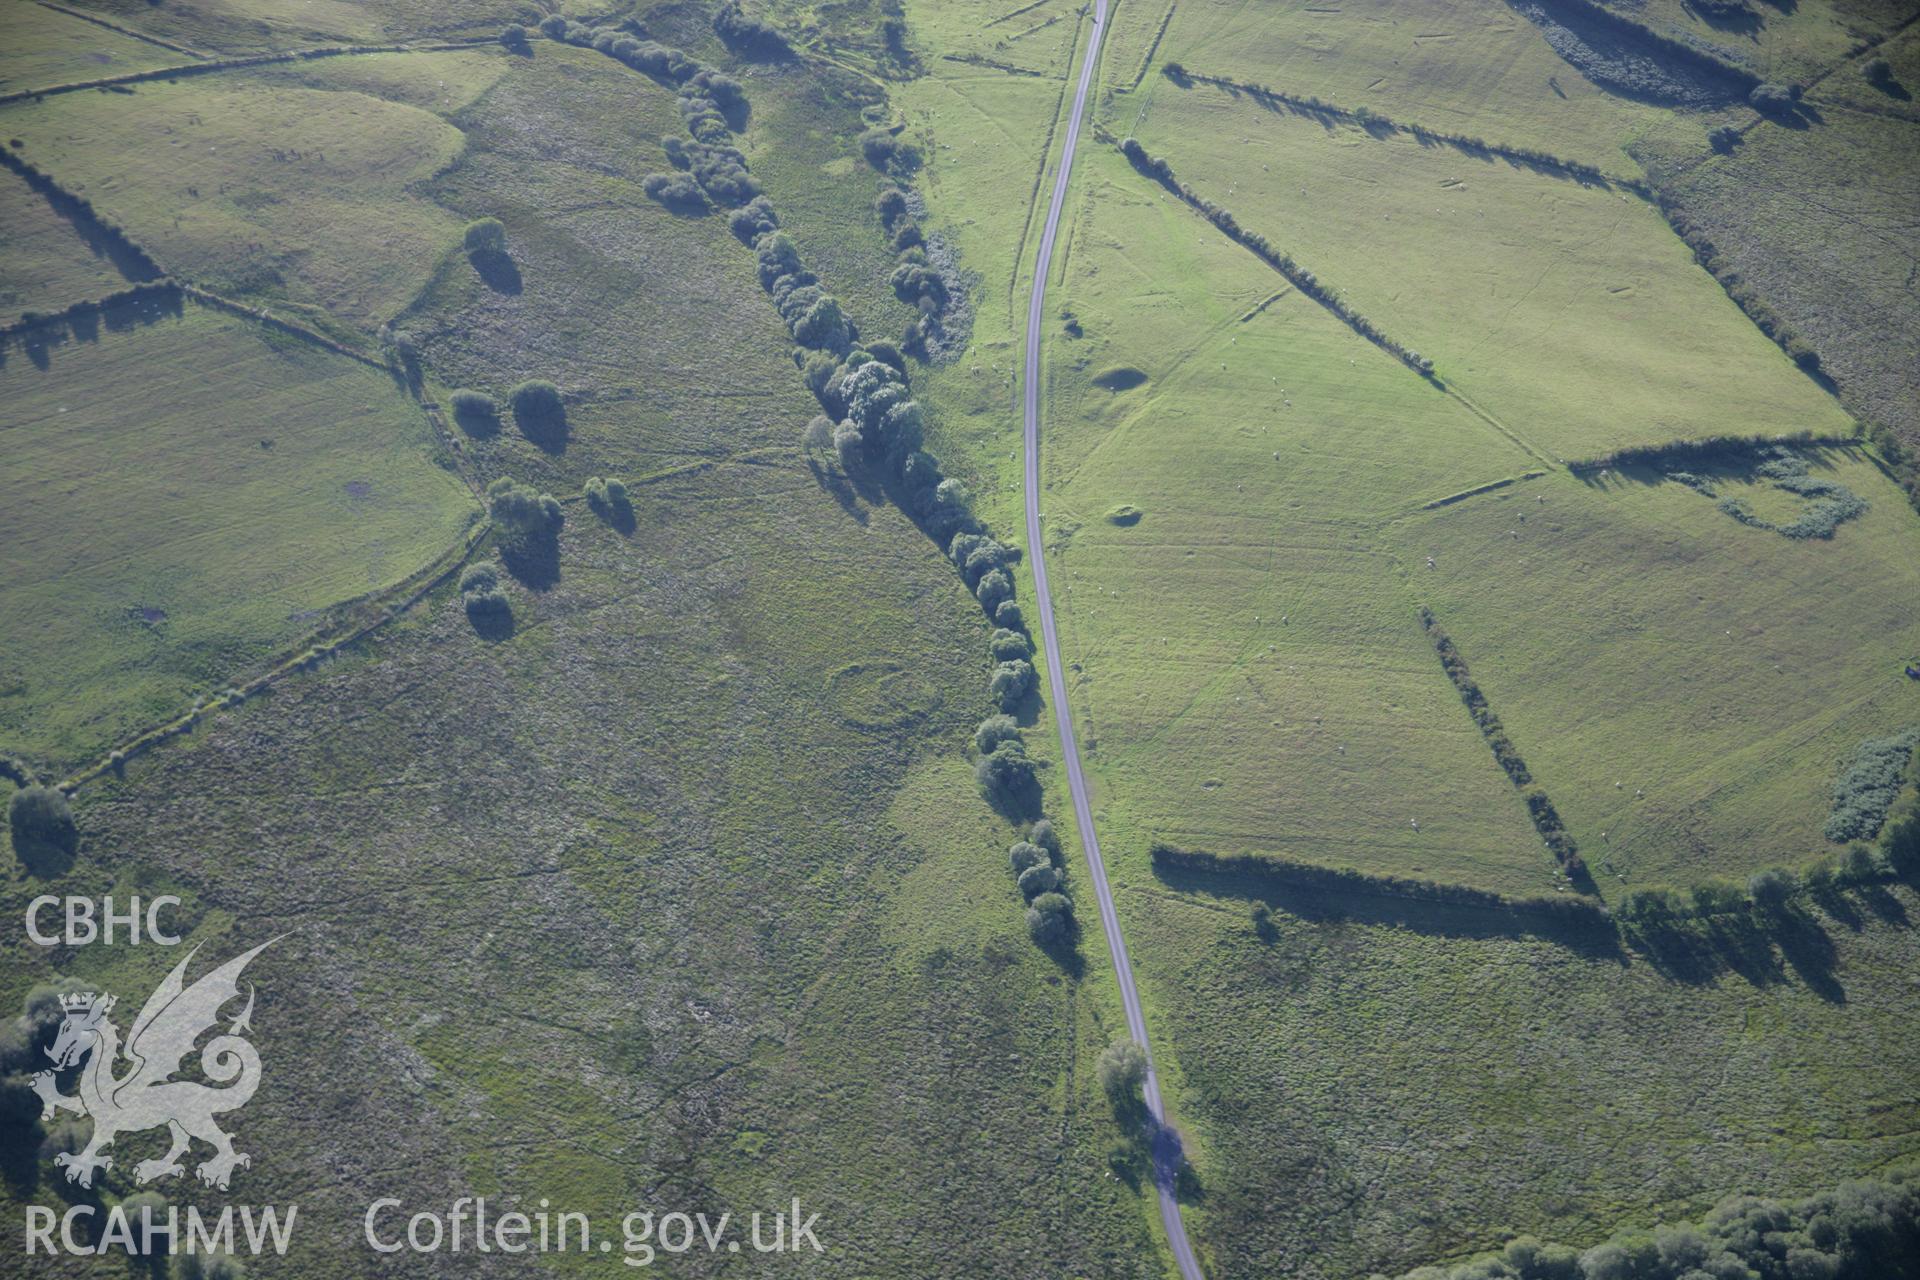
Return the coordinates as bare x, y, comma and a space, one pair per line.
1491, 486
128, 32
236, 64
1146, 63
306, 655
1542, 163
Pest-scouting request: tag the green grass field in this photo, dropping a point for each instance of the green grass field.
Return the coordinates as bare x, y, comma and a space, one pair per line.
272, 194
1605, 626
1459, 66
46, 47
1369, 1094
44, 264
1818, 221
188, 496
1570, 313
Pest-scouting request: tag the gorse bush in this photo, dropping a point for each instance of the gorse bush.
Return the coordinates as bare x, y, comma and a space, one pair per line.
1868, 785
608, 499
475, 410
886, 152
478, 577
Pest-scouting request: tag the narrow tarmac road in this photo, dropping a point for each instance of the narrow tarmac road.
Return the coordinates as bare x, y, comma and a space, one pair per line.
1165, 1146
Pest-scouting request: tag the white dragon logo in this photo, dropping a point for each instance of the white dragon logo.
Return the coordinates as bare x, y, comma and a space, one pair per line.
145, 1097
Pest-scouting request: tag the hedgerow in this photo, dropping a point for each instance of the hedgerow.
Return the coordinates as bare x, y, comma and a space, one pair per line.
1301, 278
1540, 810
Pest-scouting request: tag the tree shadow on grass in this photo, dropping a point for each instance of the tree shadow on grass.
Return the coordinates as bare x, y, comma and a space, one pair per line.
545, 429
533, 559
496, 270
1437, 919
492, 622
836, 483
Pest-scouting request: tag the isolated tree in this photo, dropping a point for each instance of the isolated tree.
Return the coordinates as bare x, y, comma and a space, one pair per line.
1006, 775
478, 577
1122, 1070
486, 236
44, 834
539, 411
514, 37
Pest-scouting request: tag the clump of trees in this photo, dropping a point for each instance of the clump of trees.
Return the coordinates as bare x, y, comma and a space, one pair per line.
45, 837
486, 604
710, 101
676, 191
520, 511
1868, 1229
749, 37
887, 152
754, 219
609, 500
539, 411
